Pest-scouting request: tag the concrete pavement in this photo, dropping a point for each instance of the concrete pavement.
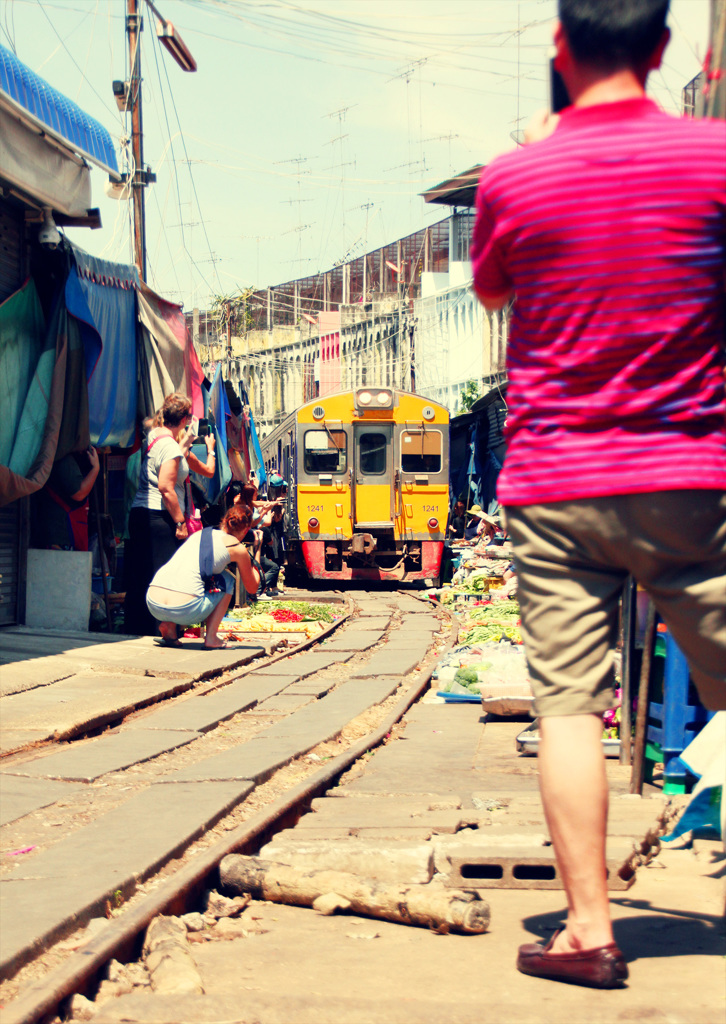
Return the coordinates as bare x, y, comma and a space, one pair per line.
66, 882
57, 684
449, 780
447, 792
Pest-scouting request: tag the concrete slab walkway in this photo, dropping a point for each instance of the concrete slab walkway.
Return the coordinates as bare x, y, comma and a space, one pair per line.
58, 684
72, 880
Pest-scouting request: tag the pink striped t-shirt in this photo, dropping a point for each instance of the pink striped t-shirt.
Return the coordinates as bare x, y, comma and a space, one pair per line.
612, 235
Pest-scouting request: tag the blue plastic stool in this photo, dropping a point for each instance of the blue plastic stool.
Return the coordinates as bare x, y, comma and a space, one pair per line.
674, 723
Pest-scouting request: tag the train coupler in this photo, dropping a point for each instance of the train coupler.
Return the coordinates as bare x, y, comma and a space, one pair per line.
363, 543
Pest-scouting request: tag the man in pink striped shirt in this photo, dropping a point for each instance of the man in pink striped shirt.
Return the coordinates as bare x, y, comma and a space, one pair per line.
610, 232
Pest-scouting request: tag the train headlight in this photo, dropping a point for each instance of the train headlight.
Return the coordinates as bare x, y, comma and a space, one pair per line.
383, 397
365, 397
313, 523
433, 523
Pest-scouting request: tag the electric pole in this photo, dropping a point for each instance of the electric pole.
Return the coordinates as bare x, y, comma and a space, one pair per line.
134, 25
128, 97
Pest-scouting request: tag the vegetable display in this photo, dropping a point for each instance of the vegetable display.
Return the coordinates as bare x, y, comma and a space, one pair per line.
307, 610
492, 633
302, 617
492, 624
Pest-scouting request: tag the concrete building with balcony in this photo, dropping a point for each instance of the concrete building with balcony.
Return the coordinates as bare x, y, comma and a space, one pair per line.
403, 315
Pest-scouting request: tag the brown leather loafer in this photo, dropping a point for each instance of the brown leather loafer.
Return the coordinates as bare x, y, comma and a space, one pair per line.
603, 967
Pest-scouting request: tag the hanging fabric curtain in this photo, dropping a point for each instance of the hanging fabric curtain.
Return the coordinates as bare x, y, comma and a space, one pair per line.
216, 408
218, 405
254, 458
169, 361
236, 434
256, 461
102, 297
244, 435
22, 343
37, 377
75, 428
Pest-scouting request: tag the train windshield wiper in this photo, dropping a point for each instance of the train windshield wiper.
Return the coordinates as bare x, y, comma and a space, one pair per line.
327, 431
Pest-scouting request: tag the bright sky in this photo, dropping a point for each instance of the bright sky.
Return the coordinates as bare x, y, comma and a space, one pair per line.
310, 128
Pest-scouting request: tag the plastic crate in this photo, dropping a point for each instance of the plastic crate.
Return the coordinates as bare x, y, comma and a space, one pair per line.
673, 722
97, 584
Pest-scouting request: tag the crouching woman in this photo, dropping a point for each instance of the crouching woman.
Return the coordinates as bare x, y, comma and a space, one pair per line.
180, 594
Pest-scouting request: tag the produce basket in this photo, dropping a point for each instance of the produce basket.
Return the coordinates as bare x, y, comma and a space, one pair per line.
528, 742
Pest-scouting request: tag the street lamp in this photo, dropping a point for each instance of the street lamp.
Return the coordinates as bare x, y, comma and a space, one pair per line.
129, 95
173, 42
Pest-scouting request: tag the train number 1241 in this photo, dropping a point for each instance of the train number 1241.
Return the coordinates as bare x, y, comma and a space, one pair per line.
315, 508
431, 508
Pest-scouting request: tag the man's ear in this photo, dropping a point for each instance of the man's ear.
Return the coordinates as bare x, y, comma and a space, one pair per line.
562, 48
656, 58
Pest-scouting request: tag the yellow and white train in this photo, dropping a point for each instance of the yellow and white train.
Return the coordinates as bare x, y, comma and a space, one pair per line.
368, 484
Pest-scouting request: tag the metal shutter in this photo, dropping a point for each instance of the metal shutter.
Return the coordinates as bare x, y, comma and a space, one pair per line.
12, 228
9, 563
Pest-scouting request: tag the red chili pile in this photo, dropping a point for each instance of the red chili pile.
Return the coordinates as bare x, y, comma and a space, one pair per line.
283, 615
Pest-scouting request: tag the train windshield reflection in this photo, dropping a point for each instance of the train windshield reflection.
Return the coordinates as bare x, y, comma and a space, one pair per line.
421, 451
372, 454
325, 451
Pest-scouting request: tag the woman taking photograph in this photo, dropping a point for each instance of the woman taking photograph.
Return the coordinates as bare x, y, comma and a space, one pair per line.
177, 595
157, 518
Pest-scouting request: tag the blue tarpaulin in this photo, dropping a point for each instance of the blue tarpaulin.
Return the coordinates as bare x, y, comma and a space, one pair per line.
216, 410
217, 405
254, 451
256, 454
702, 816
477, 450
102, 297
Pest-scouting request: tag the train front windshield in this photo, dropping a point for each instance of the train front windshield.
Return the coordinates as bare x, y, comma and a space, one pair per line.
325, 451
421, 451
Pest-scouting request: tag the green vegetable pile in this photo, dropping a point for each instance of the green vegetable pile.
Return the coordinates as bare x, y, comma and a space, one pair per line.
503, 611
466, 676
492, 623
466, 681
491, 633
309, 610
477, 583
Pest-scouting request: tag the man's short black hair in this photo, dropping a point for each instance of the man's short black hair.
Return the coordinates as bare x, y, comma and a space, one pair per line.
613, 33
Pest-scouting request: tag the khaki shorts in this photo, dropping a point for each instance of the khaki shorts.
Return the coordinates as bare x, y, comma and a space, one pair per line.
572, 559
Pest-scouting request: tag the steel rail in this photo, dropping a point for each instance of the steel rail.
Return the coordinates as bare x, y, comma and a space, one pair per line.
204, 684
122, 936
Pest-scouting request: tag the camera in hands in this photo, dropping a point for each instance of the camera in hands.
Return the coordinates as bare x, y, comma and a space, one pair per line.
203, 430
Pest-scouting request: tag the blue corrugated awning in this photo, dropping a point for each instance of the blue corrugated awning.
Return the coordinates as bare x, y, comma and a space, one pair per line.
34, 98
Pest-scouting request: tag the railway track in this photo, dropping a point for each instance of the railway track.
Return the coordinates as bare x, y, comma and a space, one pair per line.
402, 789
309, 717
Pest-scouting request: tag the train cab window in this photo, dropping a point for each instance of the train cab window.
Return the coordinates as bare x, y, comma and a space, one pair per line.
372, 454
325, 451
421, 451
